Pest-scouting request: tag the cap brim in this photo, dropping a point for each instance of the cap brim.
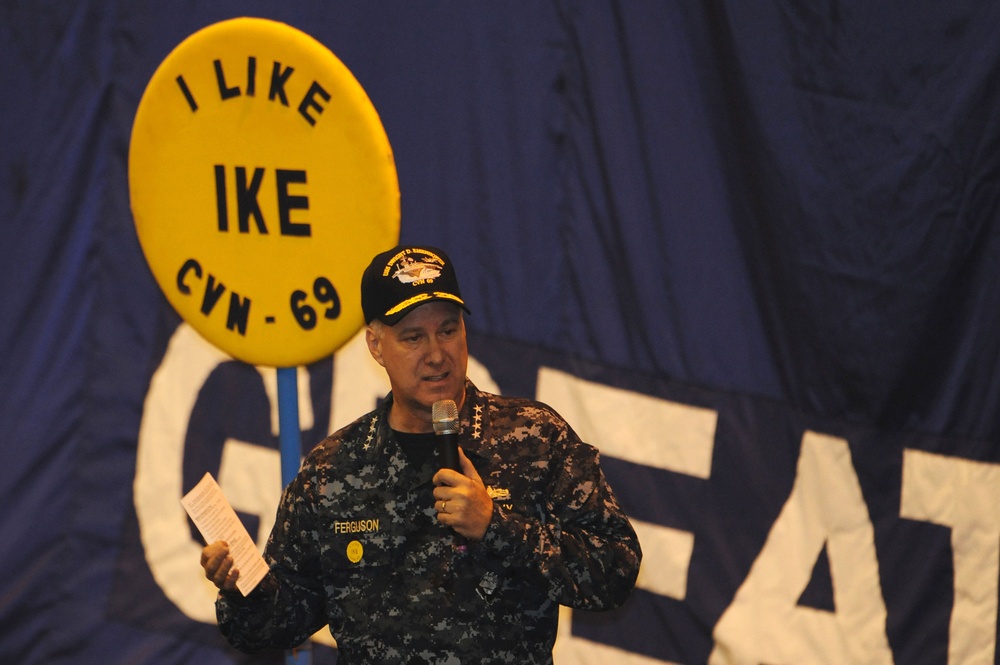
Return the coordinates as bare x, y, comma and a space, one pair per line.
397, 313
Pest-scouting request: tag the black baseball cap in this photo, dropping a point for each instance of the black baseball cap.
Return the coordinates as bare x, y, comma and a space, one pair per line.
405, 277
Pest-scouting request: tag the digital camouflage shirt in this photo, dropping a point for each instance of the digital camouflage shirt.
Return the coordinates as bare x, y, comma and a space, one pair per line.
357, 545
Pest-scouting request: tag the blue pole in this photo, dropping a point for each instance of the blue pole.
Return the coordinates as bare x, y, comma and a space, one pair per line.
288, 424
290, 438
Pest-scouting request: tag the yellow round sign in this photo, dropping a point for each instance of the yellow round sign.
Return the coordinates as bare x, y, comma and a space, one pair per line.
262, 182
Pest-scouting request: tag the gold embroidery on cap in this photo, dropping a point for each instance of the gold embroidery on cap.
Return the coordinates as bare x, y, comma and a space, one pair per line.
423, 296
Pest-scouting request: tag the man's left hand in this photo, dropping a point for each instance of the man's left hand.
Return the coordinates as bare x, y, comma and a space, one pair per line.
461, 500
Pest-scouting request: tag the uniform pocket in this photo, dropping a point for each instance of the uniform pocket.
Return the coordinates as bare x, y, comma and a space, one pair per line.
357, 544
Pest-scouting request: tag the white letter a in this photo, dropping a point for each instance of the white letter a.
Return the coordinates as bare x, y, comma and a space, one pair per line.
764, 623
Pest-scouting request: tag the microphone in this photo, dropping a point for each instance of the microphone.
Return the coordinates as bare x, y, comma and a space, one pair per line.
444, 417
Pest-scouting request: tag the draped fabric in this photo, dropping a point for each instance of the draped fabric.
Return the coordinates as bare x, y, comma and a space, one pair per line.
749, 250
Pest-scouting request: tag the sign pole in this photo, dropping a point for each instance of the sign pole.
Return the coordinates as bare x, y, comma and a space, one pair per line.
288, 424
290, 439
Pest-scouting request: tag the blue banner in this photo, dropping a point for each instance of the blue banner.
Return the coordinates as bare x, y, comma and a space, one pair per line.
749, 250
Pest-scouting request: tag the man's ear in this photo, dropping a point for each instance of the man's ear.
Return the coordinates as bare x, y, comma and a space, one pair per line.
374, 346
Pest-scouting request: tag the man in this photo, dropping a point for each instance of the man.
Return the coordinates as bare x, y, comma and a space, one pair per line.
410, 562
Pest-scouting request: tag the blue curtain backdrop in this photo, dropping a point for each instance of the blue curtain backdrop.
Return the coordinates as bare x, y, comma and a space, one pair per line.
781, 214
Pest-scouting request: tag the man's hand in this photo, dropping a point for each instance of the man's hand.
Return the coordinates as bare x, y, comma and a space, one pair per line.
218, 565
461, 500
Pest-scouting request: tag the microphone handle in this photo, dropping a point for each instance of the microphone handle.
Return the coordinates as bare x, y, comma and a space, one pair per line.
448, 450
447, 443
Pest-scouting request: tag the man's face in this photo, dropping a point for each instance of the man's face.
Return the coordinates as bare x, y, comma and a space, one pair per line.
426, 356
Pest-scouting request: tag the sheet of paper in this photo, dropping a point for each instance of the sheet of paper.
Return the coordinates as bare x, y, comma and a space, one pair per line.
216, 520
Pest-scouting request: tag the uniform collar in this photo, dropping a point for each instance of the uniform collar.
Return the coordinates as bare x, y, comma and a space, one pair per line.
473, 422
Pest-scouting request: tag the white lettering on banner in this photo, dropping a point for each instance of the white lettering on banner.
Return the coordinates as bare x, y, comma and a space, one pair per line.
249, 475
572, 649
965, 496
163, 528
764, 623
671, 550
619, 422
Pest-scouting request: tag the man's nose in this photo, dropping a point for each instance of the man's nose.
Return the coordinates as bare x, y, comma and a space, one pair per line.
435, 352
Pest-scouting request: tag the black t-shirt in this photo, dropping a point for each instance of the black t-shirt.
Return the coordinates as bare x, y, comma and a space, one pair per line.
417, 446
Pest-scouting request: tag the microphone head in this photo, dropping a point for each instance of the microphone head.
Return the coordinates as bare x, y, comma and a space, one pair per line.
444, 416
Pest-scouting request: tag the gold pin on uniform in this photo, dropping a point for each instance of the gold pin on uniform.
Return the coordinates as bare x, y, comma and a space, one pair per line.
355, 551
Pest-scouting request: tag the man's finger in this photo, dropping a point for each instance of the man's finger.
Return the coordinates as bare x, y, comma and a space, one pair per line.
468, 470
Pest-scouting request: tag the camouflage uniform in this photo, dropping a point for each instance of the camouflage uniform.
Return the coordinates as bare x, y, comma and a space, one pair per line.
357, 545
